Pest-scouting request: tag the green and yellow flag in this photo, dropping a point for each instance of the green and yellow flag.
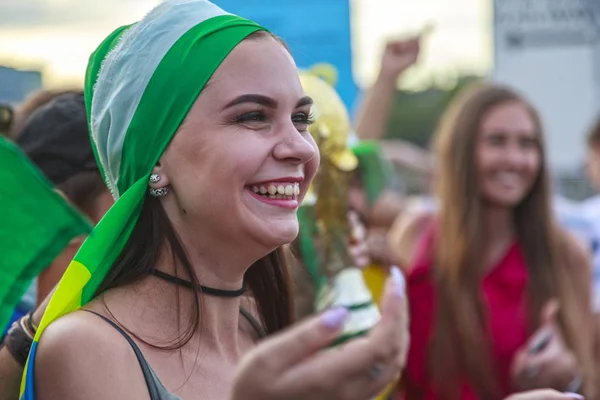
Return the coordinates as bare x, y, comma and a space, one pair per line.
37, 223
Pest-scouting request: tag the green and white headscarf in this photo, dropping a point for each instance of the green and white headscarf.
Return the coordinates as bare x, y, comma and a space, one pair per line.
140, 84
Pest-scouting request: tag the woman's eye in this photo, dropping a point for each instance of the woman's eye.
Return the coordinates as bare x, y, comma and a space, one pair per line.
254, 116
302, 118
496, 140
529, 143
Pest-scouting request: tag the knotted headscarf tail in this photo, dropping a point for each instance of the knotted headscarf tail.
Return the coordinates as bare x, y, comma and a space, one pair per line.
140, 84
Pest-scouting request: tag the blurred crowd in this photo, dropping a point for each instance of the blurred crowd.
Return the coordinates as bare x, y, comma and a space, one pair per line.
502, 273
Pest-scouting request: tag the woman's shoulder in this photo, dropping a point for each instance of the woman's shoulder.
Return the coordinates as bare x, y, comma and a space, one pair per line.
79, 328
411, 219
576, 250
406, 232
80, 356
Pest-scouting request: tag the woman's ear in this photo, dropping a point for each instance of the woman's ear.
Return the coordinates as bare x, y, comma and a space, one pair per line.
158, 178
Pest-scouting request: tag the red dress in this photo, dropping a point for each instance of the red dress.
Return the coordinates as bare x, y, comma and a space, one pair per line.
505, 296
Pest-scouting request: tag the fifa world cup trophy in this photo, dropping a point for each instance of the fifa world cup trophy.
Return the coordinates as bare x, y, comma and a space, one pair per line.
340, 282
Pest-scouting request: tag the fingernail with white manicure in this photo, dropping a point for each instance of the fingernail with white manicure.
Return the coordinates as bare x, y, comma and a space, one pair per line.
574, 395
335, 317
399, 282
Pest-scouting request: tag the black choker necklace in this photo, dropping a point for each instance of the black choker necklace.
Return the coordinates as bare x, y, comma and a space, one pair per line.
205, 289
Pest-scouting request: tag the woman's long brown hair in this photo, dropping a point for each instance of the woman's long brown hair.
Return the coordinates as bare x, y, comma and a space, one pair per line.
459, 348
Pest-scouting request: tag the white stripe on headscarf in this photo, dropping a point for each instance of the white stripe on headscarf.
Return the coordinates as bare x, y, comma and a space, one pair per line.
127, 69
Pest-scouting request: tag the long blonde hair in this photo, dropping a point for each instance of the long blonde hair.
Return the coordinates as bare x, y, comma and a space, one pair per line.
459, 346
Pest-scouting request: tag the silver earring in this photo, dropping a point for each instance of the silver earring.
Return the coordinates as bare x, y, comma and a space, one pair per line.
154, 178
160, 192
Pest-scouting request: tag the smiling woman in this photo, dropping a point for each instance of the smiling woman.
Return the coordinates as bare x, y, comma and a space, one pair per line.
190, 205
195, 116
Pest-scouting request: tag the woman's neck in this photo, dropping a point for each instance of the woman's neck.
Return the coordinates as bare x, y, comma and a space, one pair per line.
160, 312
499, 232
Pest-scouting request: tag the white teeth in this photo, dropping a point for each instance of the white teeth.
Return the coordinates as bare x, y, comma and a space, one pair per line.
278, 191
280, 197
508, 178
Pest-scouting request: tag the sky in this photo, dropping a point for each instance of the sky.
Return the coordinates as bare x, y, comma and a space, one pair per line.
57, 36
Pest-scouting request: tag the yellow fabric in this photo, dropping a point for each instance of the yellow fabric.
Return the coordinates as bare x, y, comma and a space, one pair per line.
387, 392
59, 301
375, 276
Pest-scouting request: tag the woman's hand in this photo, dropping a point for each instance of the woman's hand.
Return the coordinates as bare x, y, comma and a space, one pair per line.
545, 360
298, 363
545, 394
398, 56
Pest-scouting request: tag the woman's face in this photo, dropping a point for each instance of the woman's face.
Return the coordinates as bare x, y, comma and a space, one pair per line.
507, 154
243, 159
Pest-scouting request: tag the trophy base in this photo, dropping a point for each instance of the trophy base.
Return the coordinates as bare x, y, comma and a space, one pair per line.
347, 337
352, 293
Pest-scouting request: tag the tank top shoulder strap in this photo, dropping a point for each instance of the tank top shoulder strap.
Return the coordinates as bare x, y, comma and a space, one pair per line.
159, 392
254, 322
146, 370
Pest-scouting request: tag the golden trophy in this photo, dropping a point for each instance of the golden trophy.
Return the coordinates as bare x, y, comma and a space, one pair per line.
341, 283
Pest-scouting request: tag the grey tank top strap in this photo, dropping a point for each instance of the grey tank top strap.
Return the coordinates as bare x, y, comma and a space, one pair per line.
255, 324
155, 388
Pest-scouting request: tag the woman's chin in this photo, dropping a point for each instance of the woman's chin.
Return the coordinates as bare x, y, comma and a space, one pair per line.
280, 236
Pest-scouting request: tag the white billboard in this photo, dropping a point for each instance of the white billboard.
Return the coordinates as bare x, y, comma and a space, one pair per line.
550, 51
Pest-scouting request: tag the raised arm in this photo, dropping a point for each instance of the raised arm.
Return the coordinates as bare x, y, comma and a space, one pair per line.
375, 109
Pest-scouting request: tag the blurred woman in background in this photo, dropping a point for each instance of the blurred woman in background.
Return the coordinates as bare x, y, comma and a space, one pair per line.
499, 294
